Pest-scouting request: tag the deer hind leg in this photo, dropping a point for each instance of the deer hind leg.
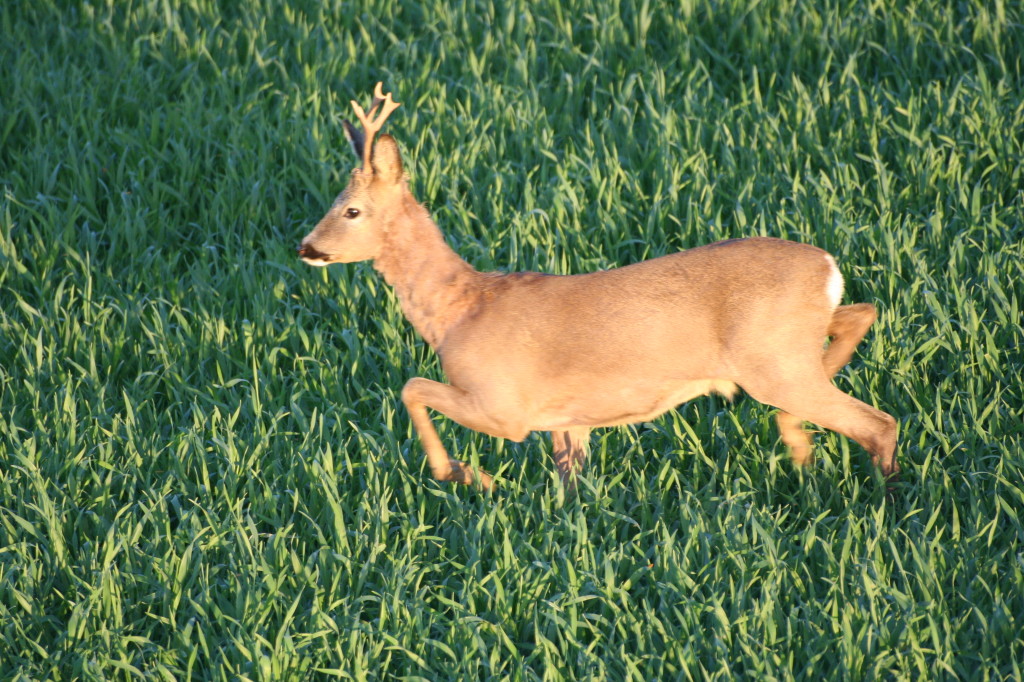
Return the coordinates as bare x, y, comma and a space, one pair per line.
815, 399
831, 408
796, 438
460, 406
569, 452
847, 327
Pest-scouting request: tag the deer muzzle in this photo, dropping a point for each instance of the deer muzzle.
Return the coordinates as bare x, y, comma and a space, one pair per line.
310, 255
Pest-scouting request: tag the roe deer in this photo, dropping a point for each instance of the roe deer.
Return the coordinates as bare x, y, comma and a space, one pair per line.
532, 352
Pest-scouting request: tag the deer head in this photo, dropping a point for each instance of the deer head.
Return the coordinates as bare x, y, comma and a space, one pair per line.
354, 227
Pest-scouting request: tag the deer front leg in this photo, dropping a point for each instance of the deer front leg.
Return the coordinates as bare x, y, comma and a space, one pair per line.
460, 406
569, 450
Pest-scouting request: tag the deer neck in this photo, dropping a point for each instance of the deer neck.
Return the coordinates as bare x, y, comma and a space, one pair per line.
435, 287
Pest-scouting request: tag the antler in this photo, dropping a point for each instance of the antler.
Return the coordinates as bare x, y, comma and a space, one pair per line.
372, 126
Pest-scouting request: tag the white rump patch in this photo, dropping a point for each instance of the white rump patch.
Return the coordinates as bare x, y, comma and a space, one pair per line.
834, 285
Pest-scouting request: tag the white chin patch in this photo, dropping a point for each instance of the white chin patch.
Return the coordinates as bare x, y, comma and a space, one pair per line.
316, 262
834, 284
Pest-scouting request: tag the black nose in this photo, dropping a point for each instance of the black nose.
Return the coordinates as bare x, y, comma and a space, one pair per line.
307, 251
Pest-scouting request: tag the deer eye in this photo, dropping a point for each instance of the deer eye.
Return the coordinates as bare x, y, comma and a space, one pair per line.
352, 213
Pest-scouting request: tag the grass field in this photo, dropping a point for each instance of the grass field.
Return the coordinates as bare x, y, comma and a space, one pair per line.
205, 468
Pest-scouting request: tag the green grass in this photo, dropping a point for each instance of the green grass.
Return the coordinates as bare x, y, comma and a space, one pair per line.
205, 469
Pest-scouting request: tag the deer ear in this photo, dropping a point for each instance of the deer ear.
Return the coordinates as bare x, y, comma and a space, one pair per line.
355, 138
387, 160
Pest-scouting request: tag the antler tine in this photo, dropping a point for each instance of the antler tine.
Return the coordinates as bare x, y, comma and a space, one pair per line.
372, 125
